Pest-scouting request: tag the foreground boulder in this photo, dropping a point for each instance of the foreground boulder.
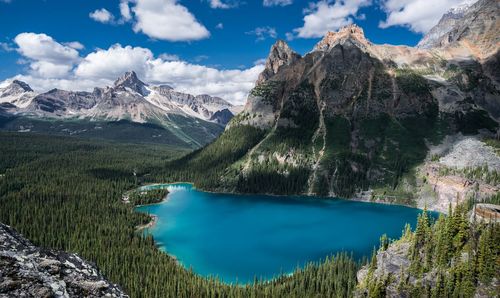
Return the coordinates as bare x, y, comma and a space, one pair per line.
30, 271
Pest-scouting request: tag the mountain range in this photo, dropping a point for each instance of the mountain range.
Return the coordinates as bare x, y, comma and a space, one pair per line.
186, 120
374, 122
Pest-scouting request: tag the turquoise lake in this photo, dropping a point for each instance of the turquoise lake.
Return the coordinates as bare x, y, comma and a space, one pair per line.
238, 237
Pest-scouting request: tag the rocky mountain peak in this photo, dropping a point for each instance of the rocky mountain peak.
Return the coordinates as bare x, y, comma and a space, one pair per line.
15, 88
130, 80
279, 55
472, 27
447, 22
22, 85
351, 32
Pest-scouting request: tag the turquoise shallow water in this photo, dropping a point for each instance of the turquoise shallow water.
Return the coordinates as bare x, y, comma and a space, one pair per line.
238, 237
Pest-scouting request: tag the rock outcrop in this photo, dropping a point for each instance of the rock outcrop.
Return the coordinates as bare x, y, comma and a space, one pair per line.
471, 29
351, 33
280, 55
30, 271
447, 22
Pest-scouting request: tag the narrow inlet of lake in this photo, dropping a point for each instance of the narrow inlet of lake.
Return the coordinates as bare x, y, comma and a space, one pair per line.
239, 237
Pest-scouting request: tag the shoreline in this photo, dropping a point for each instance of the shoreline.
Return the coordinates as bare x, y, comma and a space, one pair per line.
150, 224
298, 196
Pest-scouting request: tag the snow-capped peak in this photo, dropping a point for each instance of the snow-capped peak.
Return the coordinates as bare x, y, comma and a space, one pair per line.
462, 7
131, 81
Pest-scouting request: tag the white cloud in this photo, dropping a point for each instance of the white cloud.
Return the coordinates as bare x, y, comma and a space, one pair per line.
169, 57
43, 47
232, 85
113, 62
261, 61
223, 4
75, 45
47, 57
125, 11
102, 15
167, 20
219, 26
101, 67
263, 32
268, 3
7, 47
328, 15
50, 70
418, 15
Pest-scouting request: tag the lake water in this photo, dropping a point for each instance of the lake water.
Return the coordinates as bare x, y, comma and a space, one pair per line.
238, 237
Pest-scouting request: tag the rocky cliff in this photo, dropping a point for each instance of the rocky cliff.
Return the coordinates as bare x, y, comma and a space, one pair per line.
30, 271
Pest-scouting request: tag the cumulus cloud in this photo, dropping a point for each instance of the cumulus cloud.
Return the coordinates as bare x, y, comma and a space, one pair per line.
43, 47
113, 62
219, 26
102, 16
263, 32
159, 19
167, 20
47, 57
418, 15
328, 15
268, 3
55, 65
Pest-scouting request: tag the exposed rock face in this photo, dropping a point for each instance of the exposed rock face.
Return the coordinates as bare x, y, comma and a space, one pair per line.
449, 20
17, 93
61, 103
392, 261
486, 213
281, 54
222, 117
474, 29
444, 182
29, 271
351, 33
130, 80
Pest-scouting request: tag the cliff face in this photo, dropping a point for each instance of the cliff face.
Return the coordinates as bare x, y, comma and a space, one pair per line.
472, 29
29, 271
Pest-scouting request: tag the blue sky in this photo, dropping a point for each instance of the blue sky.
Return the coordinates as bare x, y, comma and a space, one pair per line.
209, 36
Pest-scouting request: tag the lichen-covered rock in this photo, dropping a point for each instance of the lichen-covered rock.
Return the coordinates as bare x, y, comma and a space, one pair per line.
30, 271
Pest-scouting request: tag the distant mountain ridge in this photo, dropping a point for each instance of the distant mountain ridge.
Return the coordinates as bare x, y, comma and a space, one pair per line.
468, 29
128, 99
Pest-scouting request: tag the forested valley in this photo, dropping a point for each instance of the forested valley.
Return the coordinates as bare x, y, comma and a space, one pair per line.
67, 194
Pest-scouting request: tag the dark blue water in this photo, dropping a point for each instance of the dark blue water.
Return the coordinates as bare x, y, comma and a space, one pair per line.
238, 237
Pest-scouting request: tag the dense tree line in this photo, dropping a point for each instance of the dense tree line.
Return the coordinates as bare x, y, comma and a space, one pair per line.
66, 193
450, 257
145, 197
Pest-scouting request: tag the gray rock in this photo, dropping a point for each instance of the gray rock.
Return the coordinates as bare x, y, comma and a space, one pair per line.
30, 271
